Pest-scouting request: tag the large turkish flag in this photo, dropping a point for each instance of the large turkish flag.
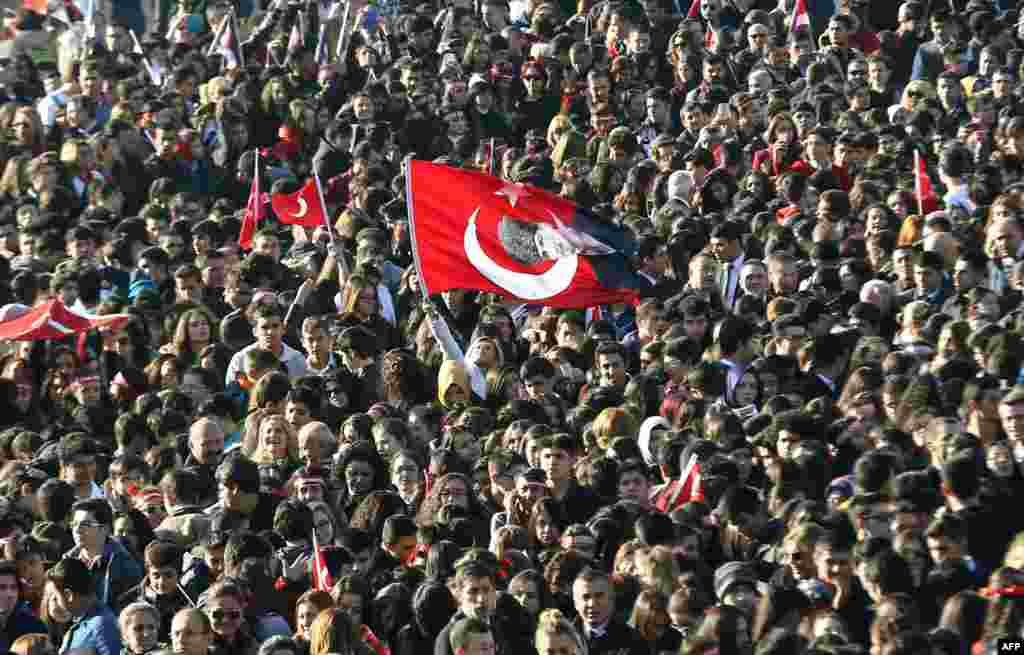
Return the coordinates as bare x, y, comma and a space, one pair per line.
474, 231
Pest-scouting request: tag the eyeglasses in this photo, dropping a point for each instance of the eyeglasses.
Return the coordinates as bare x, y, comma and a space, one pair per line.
916, 95
228, 615
86, 524
857, 72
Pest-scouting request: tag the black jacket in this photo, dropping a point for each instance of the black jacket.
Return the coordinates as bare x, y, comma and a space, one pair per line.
618, 639
20, 622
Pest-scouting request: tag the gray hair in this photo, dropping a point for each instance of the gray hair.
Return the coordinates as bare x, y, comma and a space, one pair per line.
134, 608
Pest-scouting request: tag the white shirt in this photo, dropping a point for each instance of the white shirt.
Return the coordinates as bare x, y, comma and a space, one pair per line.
292, 359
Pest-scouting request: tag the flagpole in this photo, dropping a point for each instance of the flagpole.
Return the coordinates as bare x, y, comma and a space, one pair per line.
145, 59
342, 45
238, 39
338, 254
917, 182
407, 168
216, 36
316, 548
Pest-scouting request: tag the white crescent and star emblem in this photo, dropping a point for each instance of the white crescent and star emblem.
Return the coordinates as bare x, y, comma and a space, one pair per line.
303, 208
528, 286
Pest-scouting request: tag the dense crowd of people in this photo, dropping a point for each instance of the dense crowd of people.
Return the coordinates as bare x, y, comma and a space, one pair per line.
806, 436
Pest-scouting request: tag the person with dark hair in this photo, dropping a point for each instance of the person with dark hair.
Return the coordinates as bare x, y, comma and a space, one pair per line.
15, 620
114, 569
160, 587
74, 592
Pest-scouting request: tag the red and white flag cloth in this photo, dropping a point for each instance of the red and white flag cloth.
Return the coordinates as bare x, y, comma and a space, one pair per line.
801, 20
253, 210
299, 208
689, 488
322, 580
927, 200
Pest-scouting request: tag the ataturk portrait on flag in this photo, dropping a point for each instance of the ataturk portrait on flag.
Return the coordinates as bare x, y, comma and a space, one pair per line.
474, 231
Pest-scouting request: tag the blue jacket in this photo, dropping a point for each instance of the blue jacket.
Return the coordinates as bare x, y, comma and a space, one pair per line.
97, 630
116, 573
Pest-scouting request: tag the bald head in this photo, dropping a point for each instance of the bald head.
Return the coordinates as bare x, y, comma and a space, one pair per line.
191, 632
206, 441
316, 443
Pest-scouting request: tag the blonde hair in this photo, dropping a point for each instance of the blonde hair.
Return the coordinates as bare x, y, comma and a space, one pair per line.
657, 568
262, 457
613, 422
332, 632
553, 623
558, 123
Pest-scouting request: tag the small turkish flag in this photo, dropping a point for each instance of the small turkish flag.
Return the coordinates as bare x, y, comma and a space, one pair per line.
322, 579
927, 201
299, 208
253, 211
474, 231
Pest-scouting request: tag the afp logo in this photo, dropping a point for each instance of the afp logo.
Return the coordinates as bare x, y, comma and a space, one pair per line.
1010, 646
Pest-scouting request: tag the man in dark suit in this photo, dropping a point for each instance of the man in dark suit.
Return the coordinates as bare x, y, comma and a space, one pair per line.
594, 599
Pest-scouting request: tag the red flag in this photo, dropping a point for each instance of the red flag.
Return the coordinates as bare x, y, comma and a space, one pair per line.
927, 200
474, 231
322, 580
299, 208
253, 211
372, 641
800, 20
679, 492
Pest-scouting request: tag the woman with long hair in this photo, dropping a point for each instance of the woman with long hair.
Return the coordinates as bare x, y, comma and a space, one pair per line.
334, 633
452, 489
276, 451
404, 382
360, 305
164, 372
195, 330
53, 614
650, 618
307, 608
546, 525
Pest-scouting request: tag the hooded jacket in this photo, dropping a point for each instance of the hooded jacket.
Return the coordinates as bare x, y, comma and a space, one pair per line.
432, 607
452, 373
